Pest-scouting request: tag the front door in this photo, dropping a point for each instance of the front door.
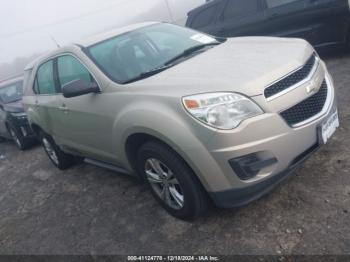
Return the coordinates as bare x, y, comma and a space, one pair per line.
46, 103
83, 123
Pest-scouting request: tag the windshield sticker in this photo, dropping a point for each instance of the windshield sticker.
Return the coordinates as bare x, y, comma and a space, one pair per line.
204, 39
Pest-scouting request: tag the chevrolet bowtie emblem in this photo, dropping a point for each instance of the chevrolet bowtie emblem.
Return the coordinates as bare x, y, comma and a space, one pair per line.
312, 86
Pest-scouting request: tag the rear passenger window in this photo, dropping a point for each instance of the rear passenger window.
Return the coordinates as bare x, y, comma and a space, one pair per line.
204, 18
70, 69
238, 8
45, 83
276, 3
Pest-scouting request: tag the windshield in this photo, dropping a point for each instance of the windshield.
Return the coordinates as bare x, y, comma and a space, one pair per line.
130, 56
11, 93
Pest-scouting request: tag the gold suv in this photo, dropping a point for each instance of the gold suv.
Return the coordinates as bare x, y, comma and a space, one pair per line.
196, 117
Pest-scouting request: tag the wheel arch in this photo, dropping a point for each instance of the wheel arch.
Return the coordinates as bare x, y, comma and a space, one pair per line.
136, 140
7, 125
36, 129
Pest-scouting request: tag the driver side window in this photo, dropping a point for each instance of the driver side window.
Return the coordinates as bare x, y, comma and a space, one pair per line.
70, 69
45, 83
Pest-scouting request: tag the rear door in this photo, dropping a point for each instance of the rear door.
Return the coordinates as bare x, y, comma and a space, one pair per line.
320, 22
241, 18
287, 18
329, 20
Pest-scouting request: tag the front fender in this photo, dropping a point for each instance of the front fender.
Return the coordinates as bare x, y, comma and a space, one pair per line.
172, 126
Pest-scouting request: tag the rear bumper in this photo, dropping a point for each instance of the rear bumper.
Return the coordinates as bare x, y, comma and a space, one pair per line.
243, 196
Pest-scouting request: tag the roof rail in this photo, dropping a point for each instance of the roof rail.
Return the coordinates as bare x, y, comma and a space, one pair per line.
10, 78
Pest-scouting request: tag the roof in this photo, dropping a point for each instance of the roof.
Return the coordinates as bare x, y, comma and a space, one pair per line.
112, 33
86, 42
11, 80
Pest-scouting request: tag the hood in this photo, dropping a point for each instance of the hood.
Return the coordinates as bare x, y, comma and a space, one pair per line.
245, 65
14, 107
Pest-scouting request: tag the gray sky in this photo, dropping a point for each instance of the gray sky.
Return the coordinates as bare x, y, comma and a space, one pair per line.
28, 25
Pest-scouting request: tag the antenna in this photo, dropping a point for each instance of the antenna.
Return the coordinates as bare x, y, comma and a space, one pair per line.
53, 39
169, 10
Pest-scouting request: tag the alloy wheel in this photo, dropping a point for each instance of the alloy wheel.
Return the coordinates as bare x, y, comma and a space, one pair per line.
164, 183
50, 151
15, 138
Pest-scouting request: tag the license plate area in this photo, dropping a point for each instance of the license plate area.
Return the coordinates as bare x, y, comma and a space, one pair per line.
328, 128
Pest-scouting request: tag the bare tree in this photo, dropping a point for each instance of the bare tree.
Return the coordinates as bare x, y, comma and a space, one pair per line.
15, 68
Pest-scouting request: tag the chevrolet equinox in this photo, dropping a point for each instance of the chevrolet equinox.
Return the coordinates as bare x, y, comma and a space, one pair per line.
197, 118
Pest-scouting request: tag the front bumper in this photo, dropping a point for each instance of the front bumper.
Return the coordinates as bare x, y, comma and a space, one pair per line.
270, 136
243, 196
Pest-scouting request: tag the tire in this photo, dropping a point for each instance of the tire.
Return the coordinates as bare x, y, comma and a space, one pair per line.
60, 159
177, 182
17, 137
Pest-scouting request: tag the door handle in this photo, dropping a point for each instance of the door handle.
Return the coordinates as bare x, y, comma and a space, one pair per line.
63, 108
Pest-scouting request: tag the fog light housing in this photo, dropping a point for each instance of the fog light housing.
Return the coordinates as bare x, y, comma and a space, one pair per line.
248, 166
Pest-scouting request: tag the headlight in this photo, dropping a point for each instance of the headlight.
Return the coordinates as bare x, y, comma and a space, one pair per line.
221, 110
20, 115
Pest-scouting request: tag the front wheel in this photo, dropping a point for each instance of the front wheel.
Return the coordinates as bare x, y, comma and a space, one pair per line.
172, 182
60, 159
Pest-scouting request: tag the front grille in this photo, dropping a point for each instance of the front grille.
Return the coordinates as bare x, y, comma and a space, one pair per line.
307, 108
292, 79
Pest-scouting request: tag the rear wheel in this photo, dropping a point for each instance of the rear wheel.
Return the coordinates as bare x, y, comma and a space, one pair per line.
60, 159
172, 182
18, 138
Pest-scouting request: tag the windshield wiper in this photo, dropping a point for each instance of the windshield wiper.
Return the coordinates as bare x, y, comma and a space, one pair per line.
190, 51
148, 74
170, 62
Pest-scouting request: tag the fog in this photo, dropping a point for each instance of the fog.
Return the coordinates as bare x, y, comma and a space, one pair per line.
31, 27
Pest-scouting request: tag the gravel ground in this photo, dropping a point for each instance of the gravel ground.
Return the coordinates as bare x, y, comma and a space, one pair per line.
88, 210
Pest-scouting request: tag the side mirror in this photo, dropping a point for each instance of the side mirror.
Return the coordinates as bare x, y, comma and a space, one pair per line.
78, 88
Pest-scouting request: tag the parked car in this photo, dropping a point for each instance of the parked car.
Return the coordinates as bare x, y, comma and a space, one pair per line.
13, 120
192, 115
321, 22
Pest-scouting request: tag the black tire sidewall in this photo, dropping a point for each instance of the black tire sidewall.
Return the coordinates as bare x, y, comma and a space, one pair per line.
22, 144
64, 160
193, 193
